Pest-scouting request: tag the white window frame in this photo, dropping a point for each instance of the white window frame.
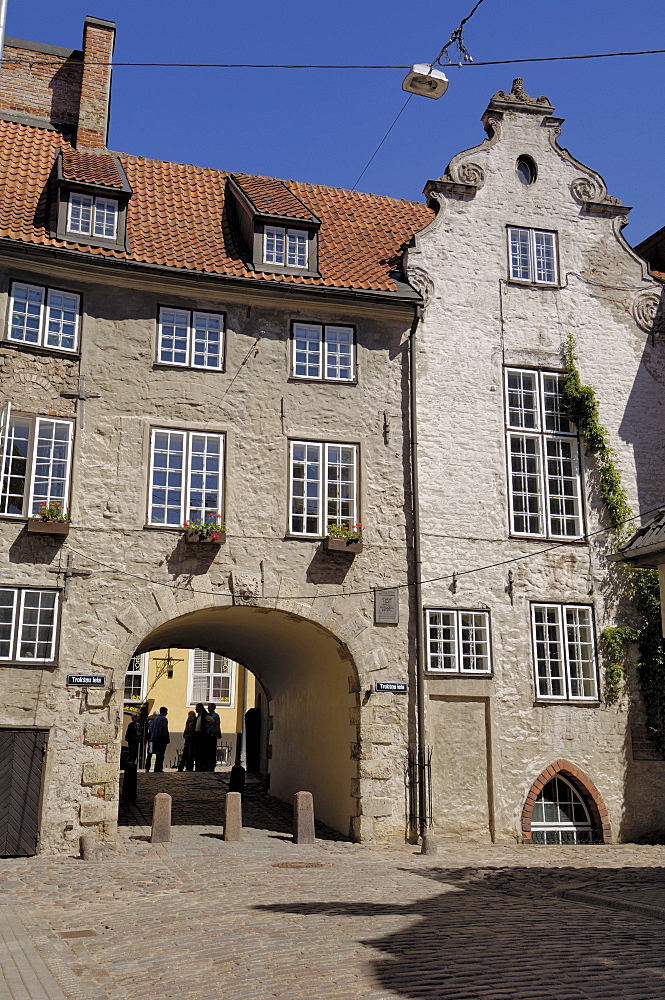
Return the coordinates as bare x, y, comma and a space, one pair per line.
541, 439
563, 643
32, 458
142, 672
190, 318
18, 625
535, 271
187, 472
560, 828
232, 674
323, 335
325, 486
46, 310
288, 237
101, 203
458, 626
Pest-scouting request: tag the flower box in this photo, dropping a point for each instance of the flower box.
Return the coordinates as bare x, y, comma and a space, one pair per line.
38, 527
196, 538
342, 544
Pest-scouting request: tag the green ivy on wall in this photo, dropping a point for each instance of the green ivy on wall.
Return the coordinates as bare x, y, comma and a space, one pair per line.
581, 405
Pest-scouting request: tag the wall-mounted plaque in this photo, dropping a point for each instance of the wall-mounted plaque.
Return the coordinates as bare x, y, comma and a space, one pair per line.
396, 687
86, 680
386, 606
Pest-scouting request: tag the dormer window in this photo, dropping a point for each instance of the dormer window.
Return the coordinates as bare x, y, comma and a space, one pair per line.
92, 216
279, 231
285, 246
92, 197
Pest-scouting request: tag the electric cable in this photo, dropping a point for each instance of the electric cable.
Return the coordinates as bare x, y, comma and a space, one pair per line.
389, 586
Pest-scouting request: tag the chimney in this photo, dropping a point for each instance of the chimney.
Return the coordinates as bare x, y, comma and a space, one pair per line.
94, 106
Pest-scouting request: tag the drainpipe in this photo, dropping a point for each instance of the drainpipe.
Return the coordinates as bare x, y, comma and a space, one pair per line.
3, 18
421, 738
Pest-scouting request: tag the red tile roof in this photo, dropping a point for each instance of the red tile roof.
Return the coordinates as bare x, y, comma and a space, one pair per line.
90, 168
176, 215
272, 197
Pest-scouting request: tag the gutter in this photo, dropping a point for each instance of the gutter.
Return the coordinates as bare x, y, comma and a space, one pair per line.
421, 732
408, 295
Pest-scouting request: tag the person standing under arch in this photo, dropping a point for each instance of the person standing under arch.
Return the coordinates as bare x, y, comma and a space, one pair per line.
202, 728
214, 736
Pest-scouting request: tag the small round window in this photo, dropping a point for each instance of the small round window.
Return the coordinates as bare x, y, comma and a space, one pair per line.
526, 170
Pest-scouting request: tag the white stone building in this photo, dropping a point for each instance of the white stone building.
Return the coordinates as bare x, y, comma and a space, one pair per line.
182, 344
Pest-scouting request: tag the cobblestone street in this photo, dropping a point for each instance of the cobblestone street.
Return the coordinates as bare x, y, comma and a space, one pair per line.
199, 918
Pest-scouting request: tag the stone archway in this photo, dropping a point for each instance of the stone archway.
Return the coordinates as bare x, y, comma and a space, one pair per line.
586, 788
312, 685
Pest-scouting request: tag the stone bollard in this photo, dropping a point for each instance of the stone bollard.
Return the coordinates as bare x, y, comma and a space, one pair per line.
129, 783
89, 844
233, 817
429, 845
237, 779
303, 818
161, 819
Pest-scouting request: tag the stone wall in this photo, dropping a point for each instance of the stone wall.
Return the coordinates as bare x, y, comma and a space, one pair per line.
142, 579
491, 737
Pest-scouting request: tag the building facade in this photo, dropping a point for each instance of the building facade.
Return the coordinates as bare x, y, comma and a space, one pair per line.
184, 347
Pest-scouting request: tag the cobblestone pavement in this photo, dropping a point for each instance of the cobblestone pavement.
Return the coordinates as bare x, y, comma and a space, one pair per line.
198, 919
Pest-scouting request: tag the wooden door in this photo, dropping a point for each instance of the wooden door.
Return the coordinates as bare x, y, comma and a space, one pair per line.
21, 767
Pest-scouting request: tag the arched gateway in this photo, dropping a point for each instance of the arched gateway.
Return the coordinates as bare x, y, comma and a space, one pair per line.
311, 684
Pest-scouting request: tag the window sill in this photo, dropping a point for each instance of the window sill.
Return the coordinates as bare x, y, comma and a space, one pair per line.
170, 366
533, 284
40, 349
457, 675
40, 664
549, 539
569, 702
325, 381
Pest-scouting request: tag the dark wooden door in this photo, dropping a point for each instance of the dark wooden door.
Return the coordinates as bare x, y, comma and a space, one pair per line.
21, 766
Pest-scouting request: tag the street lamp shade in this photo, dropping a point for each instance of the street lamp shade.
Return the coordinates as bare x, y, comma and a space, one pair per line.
425, 81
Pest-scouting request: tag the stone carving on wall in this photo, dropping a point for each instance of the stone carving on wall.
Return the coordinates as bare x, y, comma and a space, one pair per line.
647, 311
471, 173
586, 189
246, 589
422, 282
518, 95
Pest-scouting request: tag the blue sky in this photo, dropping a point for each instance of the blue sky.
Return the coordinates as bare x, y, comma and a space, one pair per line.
322, 126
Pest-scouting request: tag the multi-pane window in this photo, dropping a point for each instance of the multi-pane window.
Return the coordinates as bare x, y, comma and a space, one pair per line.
43, 316
213, 678
560, 816
324, 486
185, 478
532, 255
191, 339
28, 619
35, 461
545, 489
287, 247
135, 678
92, 216
458, 641
323, 352
565, 660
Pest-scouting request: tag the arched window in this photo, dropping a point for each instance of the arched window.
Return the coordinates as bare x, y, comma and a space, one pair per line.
560, 815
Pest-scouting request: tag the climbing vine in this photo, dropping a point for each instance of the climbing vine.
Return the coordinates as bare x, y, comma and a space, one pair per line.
581, 405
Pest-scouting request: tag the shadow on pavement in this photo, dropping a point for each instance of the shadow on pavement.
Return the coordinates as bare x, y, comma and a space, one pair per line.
505, 934
198, 800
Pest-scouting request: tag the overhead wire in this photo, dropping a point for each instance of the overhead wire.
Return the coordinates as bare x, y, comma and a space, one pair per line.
456, 574
9, 60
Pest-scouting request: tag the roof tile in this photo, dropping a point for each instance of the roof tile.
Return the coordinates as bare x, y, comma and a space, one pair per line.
90, 168
176, 214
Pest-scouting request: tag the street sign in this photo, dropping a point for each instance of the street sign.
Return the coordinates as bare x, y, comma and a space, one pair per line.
386, 606
86, 680
396, 687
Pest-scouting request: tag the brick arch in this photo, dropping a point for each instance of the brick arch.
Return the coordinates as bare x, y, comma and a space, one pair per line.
582, 784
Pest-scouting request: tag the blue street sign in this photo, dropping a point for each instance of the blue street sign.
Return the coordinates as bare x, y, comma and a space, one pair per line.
86, 680
397, 687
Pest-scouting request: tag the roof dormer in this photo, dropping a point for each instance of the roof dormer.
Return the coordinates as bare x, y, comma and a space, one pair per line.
279, 231
92, 196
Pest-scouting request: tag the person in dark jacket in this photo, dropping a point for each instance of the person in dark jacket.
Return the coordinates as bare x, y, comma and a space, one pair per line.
159, 737
187, 758
133, 737
212, 761
203, 728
